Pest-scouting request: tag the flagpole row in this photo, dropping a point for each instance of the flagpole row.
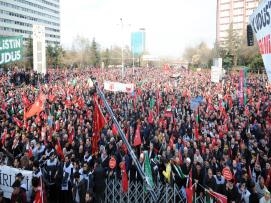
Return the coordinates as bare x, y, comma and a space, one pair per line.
124, 139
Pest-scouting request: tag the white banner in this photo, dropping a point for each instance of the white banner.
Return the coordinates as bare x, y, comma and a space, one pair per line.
39, 53
217, 62
118, 87
261, 24
7, 178
216, 74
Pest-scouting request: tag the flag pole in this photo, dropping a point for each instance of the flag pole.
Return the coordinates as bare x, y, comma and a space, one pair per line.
41, 186
124, 139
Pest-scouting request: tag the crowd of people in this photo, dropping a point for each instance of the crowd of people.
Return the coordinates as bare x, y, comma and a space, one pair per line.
181, 141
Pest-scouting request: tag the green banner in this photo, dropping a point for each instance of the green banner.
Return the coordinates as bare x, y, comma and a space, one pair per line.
11, 49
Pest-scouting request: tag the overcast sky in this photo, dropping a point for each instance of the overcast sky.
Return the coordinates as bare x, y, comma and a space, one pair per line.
170, 25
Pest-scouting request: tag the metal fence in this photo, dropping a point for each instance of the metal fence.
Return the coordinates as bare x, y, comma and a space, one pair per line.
137, 193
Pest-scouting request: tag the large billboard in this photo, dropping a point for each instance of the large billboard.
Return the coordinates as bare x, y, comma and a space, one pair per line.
260, 23
138, 42
39, 54
11, 49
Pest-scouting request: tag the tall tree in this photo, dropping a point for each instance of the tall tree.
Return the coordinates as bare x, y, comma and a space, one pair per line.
233, 44
28, 53
81, 45
199, 56
54, 55
95, 57
106, 57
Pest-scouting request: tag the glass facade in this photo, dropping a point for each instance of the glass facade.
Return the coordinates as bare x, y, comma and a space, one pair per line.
18, 16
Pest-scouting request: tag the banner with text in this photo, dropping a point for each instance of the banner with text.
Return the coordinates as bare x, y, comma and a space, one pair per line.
217, 62
118, 87
216, 73
11, 49
7, 178
260, 22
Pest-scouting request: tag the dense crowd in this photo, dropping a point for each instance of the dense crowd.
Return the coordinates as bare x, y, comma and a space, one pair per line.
182, 142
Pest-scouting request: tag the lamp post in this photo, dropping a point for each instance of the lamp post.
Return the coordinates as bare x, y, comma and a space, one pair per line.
122, 62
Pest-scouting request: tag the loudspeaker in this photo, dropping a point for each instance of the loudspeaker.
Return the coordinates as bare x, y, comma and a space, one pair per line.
250, 39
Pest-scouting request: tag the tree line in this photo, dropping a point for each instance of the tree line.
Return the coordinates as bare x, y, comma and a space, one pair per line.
234, 52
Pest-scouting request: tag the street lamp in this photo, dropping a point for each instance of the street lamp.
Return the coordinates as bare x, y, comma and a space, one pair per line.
122, 46
122, 62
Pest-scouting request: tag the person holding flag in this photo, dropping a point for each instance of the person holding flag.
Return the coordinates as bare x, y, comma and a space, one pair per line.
38, 195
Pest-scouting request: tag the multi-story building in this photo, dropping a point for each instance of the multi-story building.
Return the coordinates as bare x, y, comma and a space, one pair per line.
235, 12
18, 16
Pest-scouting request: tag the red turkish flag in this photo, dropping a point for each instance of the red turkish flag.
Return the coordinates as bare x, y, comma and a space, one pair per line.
137, 139
171, 141
150, 117
98, 124
37, 107
189, 189
59, 150
30, 153
124, 177
26, 101
38, 197
52, 98
114, 129
219, 197
3, 137
18, 122
71, 135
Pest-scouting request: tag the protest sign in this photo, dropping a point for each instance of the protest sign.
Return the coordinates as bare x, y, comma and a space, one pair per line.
215, 74
118, 87
260, 22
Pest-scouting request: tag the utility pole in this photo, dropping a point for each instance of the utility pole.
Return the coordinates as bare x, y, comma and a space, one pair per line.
122, 61
124, 139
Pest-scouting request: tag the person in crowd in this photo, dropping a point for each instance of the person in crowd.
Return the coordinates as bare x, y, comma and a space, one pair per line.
18, 194
99, 176
244, 192
20, 178
253, 195
52, 172
266, 198
220, 182
231, 192
67, 179
260, 187
221, 131
38, 193
79, 188
89, 197
210, 181
2, 199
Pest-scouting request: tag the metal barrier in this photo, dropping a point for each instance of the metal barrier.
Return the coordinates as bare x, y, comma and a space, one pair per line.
137, 193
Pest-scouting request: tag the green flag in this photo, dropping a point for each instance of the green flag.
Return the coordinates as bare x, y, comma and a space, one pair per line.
208, 197
147, 170
11, 111
197, 116
179, 171
152, 102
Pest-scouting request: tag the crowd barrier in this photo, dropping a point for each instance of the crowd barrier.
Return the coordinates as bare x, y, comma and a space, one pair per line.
137, 193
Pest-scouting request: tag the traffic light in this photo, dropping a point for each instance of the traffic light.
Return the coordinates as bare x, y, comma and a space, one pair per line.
250, 39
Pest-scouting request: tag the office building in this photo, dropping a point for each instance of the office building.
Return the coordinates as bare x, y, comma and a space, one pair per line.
18, 16
236, 12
